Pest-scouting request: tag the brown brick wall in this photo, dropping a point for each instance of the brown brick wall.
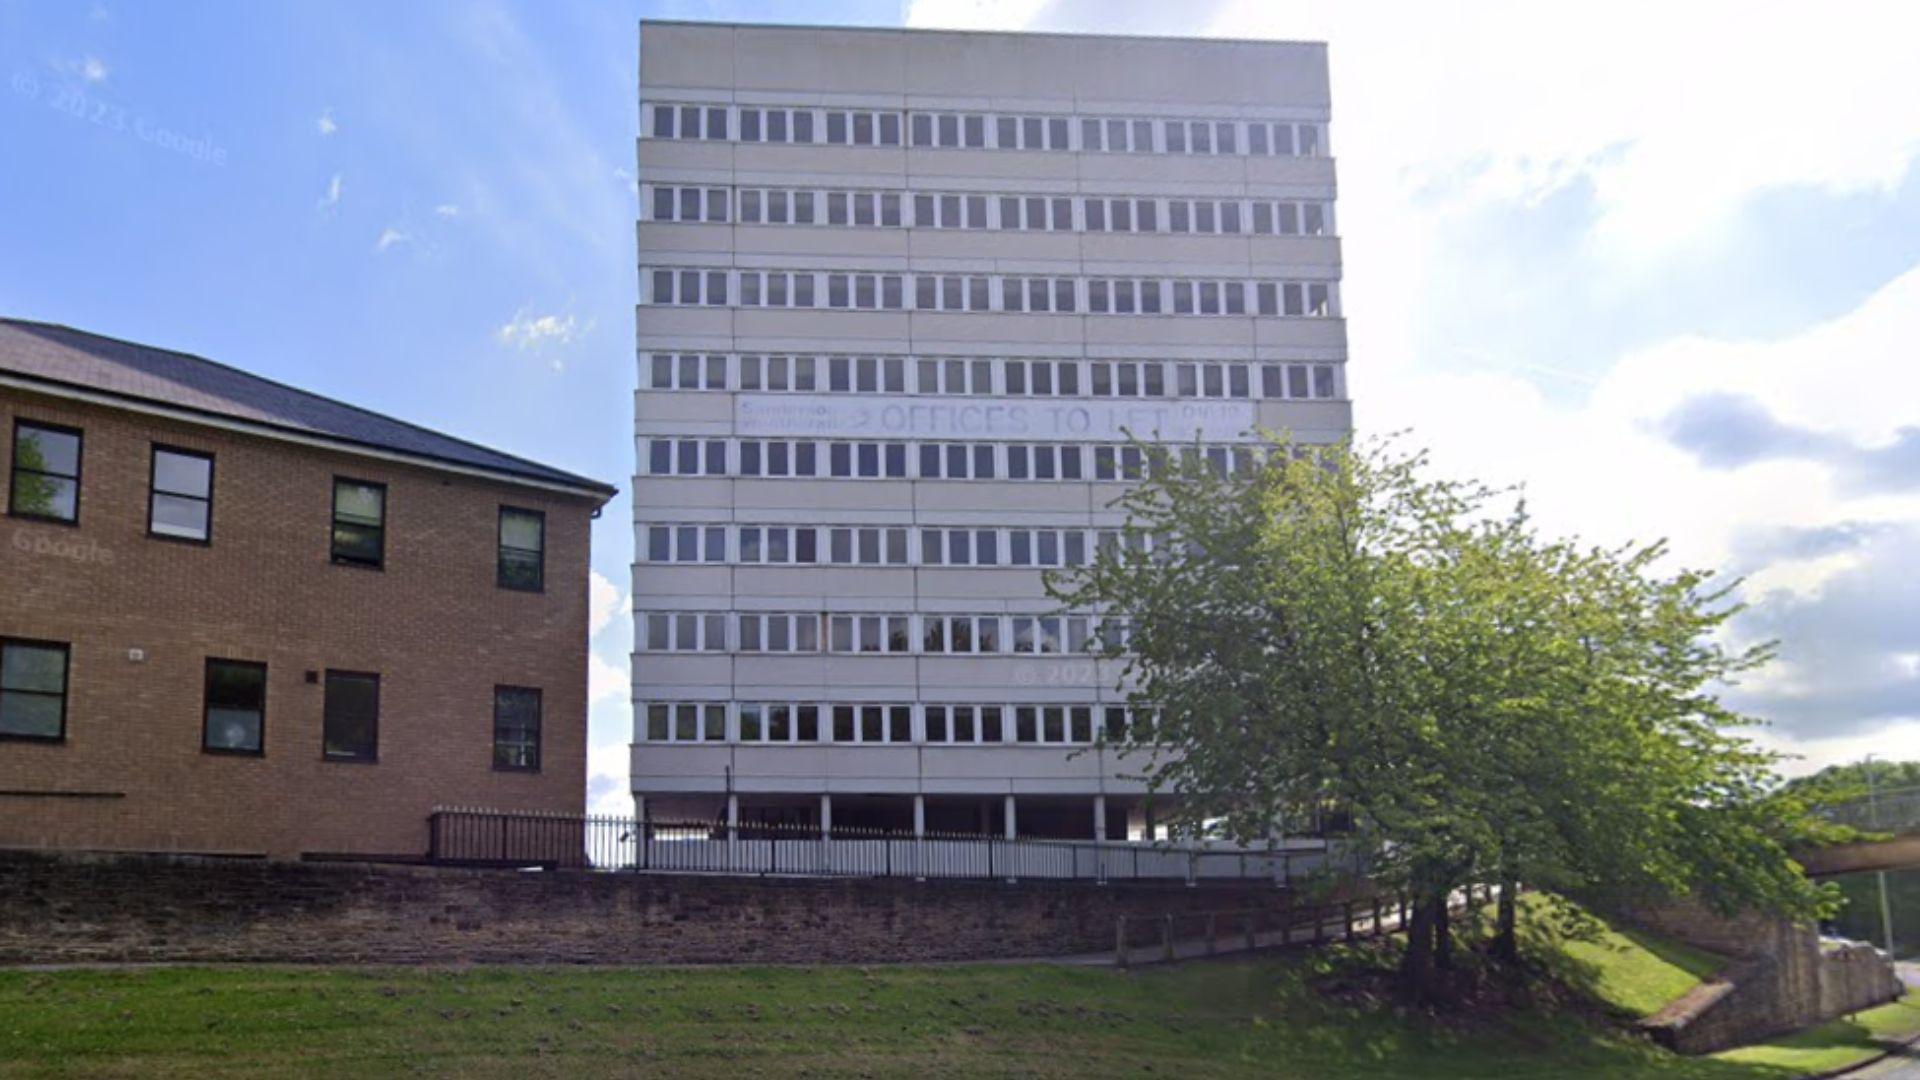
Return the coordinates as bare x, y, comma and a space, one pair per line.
432, 623
76, 908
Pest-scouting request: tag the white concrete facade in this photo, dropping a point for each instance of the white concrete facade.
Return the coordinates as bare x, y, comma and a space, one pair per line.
883, 386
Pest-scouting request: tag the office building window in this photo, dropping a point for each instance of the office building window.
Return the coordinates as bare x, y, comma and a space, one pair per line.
350, 722
180, 502
46, 472
235, 721
516, 728
523, 541
33, 689
359, 522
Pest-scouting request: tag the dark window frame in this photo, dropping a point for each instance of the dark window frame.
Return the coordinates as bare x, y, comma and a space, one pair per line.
539, 727
206, 709
66, 686
153, 491
333, 520
13, 471
500, 562
372, 757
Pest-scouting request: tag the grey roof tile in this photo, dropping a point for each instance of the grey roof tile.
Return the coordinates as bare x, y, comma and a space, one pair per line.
61, 354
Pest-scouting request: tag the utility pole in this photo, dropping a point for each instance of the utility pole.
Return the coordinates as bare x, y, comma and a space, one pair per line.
1873, 816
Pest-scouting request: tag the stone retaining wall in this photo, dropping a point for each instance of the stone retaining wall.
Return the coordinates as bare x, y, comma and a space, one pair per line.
1781, 978
108, 908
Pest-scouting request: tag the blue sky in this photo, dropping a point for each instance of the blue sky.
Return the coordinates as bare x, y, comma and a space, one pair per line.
1667, 279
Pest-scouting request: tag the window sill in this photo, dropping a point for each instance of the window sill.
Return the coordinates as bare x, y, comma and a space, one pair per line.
44, 519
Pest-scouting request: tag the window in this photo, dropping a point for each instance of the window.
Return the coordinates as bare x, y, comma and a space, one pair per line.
33, 690
46, 472
523, 541
180, 505
516, 728
350, 726
359, 522
236, 708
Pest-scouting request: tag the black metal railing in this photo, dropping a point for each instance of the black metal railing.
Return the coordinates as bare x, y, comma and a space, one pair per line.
1181, 935
1896, 810
478, 837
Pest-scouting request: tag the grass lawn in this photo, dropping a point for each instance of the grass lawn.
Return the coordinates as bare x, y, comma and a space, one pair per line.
1250, 1018
1629, 971
1835, 1044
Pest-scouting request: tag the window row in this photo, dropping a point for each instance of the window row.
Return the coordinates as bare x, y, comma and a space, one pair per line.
991, 376
986, 131
855, 632
883, 723
44, 485
1037, 294
35, 684
1074, 462
884, 545
935, 210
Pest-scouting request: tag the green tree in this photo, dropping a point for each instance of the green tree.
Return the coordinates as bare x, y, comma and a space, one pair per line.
34, 493
1339, 628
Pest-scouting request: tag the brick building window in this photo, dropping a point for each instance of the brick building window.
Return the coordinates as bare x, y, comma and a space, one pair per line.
359, 522
351, 725
180, 505
46, 472
33, 689
236, 708
516, 728
523, 541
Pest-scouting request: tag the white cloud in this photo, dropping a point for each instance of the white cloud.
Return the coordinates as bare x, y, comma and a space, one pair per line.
539, 334
608, 789
1898, 741
389, 237
325, 124
973, 14
93, 69
605, 600
331, 198
606, 681
447, 210
1677, 112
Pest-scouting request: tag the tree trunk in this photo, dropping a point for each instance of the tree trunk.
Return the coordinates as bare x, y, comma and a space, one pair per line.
1506, 938
1442, 934
1416, 966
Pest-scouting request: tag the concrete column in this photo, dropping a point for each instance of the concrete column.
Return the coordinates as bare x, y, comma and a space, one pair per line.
733, 832
1012, 829
826, 814
1100, 817
919, 830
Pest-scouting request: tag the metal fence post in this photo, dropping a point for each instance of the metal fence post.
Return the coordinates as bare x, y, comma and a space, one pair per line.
1166, 937
1346, 914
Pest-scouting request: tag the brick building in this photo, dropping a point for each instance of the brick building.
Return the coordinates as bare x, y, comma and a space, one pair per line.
240, 618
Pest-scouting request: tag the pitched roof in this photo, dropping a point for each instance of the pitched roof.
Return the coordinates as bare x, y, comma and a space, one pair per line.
45, 353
